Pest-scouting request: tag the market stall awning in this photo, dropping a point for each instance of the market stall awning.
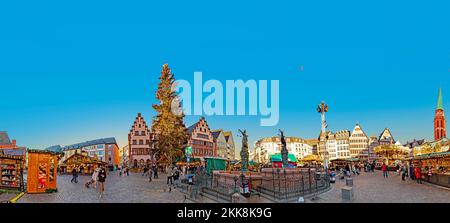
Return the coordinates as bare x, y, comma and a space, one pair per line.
432, 155
277, 158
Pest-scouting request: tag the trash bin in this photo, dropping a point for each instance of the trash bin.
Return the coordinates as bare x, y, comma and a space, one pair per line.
245, 189
190, 179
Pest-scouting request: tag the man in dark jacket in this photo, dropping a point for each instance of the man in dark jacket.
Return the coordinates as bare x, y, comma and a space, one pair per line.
101, 180
411, 172
74, 175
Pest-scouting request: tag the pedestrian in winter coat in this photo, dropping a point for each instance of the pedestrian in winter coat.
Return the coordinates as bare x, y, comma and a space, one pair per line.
169, 171
384, 168
101, 180
95, 177
418, 175
404, 172
411, 172
74, 175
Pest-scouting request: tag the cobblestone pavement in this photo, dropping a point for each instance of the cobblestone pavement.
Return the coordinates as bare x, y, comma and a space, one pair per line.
368, 188
126, 189
373, 188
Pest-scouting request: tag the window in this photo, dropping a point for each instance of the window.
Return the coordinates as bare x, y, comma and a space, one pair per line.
136, 133
142, 133
141, 142
134, 142
139, 125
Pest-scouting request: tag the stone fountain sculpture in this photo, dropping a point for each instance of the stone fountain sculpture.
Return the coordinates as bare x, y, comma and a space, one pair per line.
284, 151
244, 150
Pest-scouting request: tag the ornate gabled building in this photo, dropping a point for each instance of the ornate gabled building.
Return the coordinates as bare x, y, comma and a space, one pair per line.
201, 139
220, 143
359, 143
439, 119
415, 146
230, 145
266, 147
386, 137
373, 142
342, 144
141, 144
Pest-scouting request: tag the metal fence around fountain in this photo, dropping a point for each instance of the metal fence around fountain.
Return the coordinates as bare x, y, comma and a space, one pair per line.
279, 188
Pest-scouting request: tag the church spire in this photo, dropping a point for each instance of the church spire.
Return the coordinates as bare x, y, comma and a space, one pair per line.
439, 102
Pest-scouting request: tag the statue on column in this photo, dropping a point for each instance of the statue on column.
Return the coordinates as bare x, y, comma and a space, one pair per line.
284, 151
244, 150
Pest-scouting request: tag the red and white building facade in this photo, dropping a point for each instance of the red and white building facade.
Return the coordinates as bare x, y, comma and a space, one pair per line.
141, 144
201, 140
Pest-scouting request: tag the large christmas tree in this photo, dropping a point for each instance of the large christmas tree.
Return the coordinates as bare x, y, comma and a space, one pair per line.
168, 123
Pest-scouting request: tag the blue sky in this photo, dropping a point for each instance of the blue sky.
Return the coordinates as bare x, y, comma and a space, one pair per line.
72, 72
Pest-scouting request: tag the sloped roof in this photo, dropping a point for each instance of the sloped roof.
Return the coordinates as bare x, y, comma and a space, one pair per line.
215, 134
227, 135
110, 140
439, 102
414, 143
21, 151
4, 138
277, 157
56, 148
192, 127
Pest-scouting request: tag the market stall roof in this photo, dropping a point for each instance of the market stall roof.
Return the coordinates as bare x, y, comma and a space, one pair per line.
56, 148
432, 155
352, 159
21, 151
110, 140
213, 157
10, 157
277, 158
44, 151
87, 159
311, 157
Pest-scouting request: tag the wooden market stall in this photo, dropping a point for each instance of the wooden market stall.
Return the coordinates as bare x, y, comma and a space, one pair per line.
276, 160
84, 163
310, 160
438, 163
342, 162
42, 171
11, 170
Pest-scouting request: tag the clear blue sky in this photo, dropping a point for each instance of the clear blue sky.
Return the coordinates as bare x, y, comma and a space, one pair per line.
77, 71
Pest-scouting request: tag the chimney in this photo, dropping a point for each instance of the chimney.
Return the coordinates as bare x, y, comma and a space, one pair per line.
14, 142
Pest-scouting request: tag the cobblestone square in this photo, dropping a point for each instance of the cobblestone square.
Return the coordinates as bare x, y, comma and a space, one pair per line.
368, 188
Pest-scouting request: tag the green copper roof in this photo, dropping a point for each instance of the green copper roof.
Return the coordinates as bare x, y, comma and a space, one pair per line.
439, 103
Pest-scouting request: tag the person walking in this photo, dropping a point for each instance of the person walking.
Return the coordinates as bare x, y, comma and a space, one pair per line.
155, 172
101, 180
169, 172
347, 170
404, 172
145, 171
95, 177
418, 175
74, 175
411, 172
384, 168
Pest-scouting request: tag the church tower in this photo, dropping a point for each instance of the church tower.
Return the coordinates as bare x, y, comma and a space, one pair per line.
439, 119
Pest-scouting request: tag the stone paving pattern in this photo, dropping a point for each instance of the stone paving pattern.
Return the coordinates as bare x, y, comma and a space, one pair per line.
118, 189
368, 188
371, 187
